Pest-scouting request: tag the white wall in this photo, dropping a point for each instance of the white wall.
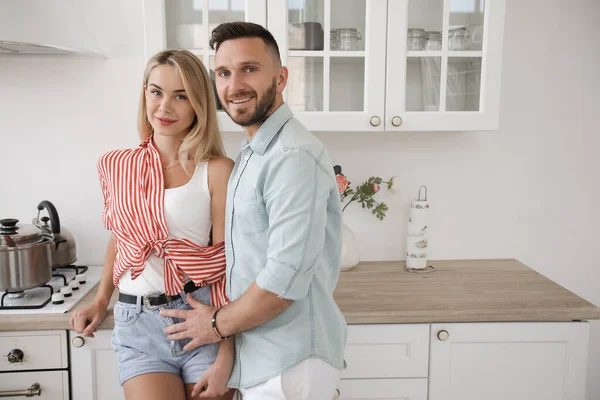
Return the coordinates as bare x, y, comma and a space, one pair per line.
528, 191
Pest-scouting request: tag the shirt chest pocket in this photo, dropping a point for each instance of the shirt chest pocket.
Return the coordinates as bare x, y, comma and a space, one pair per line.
249, 215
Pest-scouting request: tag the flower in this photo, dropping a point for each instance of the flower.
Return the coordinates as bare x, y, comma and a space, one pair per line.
362, 193
342, 183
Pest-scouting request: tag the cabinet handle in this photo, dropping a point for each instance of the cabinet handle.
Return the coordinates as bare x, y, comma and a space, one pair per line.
15, 356
443, 335
34, 390
78, 341
375, 120
396, 121
337, 394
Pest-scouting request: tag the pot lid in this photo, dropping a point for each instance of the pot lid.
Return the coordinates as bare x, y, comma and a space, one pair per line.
13, 234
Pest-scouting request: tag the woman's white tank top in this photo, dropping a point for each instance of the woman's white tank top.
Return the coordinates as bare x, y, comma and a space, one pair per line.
187, 214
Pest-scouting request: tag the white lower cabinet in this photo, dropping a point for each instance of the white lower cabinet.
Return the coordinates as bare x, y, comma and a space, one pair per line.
94, 374
517, 361
51, 385
380, 389
454, 361
34, 364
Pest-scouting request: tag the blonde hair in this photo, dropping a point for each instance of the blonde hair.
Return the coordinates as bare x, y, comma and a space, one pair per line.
204, 141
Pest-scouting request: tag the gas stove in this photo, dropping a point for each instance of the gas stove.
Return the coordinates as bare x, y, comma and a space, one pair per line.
67, 287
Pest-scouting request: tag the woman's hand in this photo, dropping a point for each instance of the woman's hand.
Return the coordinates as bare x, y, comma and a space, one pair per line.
87, 320
213, 382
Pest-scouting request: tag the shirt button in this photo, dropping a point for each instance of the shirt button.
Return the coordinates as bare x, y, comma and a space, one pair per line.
247, 157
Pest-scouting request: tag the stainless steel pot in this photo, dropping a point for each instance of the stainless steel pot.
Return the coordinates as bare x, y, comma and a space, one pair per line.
65, 251
25, 256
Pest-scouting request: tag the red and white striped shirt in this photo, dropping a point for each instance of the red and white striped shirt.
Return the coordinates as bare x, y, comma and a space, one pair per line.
133, 187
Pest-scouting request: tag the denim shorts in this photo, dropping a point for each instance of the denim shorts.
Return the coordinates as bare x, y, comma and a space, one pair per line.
142, 347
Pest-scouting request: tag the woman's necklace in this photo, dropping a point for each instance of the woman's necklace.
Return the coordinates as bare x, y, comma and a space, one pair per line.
171, 166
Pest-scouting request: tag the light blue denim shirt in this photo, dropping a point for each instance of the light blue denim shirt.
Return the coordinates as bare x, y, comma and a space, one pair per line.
283, 231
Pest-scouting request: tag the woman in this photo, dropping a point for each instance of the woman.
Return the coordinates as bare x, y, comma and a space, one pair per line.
162, 200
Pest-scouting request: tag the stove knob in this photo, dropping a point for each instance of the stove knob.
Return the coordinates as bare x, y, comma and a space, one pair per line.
66, 291
15, 356
58, 298
78, 341
80, 278
74, 285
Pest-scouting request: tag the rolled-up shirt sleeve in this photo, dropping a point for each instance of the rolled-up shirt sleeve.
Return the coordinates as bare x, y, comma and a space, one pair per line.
103, 167
295, 195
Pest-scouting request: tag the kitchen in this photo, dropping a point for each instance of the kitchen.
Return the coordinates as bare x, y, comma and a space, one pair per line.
520, 191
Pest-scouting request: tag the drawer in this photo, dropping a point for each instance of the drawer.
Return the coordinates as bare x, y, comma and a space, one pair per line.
53, 384
387, 351
40, 349
405, 389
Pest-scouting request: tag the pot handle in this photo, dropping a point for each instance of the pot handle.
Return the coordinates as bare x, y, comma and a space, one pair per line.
54, 220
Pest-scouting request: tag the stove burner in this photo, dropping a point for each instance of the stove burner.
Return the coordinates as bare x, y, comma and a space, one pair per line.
3, 307
58, 272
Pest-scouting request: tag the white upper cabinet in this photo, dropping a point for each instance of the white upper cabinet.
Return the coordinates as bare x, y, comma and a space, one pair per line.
444, 61
335, 52
362, 65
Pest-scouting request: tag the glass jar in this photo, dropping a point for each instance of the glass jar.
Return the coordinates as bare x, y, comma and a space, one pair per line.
347, 39
334, 40
434, 41
458, 39
416, 39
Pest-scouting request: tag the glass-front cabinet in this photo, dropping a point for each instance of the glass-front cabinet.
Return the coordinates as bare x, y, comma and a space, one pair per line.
335, 52
362, 65
443, 64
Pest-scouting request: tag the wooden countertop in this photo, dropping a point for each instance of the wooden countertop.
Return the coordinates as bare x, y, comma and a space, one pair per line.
383, 292
458, 291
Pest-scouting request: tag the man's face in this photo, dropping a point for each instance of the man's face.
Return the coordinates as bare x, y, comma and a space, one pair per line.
249, 80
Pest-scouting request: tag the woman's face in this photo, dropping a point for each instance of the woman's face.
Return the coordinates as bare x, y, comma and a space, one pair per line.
167, 105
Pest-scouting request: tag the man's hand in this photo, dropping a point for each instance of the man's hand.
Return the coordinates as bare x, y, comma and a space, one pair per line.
197, 325
213, 383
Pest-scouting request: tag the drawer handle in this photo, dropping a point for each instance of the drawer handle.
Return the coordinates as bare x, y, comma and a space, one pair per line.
375, 120
443, 335
34, 390
15, 356
337, 394
396, 121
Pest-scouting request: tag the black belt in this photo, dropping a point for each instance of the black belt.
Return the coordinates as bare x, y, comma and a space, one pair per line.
155, 299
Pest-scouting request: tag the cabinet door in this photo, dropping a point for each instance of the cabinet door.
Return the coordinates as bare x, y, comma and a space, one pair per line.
444, 61
53, 385
517, 361
187, 24
379, 389
94, 373
335, 52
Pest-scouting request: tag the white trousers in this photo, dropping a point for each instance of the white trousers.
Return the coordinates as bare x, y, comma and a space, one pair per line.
311, 379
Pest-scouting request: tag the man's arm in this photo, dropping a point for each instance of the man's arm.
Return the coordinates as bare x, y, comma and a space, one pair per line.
255, 307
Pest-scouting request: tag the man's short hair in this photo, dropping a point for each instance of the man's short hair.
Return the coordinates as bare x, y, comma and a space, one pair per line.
236, 30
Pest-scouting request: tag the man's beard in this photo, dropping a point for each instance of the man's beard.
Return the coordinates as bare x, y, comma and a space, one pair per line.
260, 113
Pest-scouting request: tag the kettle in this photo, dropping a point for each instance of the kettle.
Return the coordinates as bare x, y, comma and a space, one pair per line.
64, 250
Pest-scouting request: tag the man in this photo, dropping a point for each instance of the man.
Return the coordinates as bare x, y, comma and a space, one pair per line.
283, 236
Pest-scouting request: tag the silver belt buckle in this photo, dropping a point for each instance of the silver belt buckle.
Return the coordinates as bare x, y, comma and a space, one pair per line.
146, 300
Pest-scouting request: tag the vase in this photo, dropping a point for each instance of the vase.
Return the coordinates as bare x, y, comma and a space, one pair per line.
350, 256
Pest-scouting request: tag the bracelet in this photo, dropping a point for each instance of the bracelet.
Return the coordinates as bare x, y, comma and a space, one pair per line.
214, 325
